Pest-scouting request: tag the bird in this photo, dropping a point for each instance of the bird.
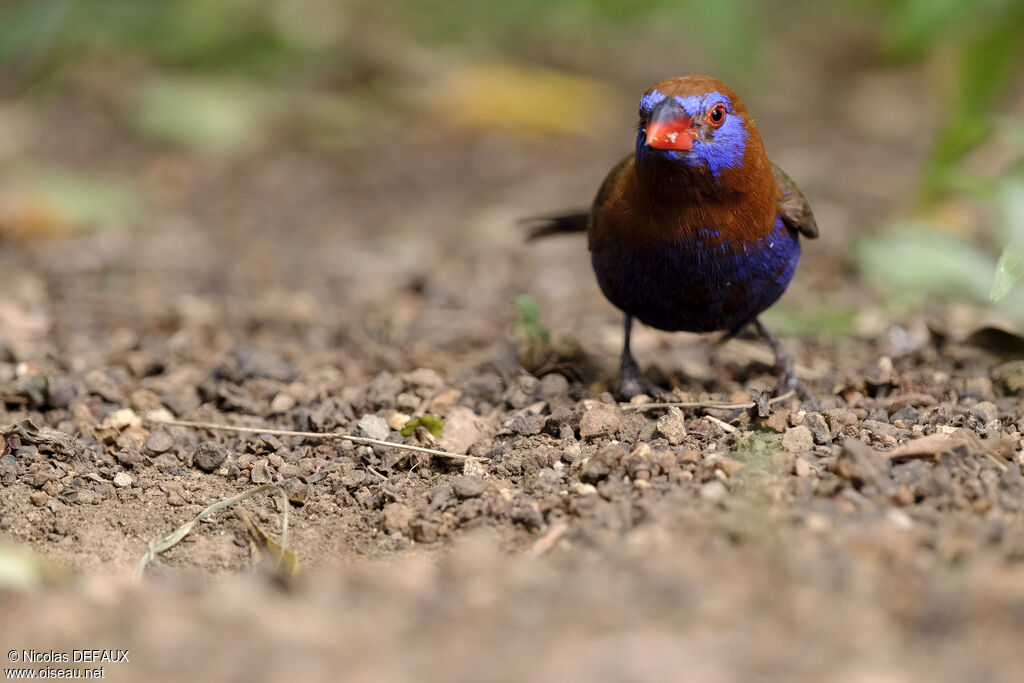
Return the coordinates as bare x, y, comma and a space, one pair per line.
696, 230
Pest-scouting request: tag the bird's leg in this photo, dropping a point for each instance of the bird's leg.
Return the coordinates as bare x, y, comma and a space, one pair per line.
633, 381
784, 365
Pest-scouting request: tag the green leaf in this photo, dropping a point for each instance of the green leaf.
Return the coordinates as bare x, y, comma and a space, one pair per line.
1009, 271
434, 425
529, 318
206, 114
826, 318
1010, 197
914, 259
988, 63
66, 200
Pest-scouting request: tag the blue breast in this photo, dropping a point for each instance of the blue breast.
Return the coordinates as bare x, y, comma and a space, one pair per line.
700, 283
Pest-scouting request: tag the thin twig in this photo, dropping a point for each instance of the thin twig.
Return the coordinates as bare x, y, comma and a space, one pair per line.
726, 427
163, 543
314, 435
713, 405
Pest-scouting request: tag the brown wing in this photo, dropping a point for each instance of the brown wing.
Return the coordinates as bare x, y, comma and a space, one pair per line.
611, 180
598, 212
577, 221
796, 212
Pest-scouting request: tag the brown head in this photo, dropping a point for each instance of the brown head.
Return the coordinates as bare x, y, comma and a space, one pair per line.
699, 162
697, 128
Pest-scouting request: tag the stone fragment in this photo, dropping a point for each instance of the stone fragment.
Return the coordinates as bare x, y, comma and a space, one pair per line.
714, 491
600, 420
728, 465
778, 421
463, 428
158, 441
373, 427
819, 429
209, 456
252, 362
798, 440
672, 426
395, 518
602, 464
861, 465
839, 419
470, 486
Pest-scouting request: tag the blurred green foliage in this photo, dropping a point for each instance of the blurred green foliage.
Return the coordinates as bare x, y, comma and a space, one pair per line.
828, 318
209, 114
529, 324
241, 34
728, 29
979, 44
268, 36
983, 41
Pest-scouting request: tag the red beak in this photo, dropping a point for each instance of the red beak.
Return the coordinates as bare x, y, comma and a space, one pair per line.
670, 127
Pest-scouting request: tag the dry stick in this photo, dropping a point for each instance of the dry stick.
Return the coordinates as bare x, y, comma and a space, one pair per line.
313, 435
713, 405
170, 540
726, 427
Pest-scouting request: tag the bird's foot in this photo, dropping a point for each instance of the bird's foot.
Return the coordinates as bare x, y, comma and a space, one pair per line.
786, 367
789, 381
634, 382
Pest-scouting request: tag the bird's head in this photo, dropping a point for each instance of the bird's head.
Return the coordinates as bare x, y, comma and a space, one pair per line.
695, 121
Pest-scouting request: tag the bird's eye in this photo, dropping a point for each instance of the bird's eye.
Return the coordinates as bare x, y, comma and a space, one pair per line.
715, 115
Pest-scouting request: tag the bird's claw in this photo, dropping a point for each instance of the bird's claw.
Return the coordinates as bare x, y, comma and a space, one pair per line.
634, 382
789, 381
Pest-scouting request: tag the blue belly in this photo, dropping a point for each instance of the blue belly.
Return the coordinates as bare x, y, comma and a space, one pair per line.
701, 283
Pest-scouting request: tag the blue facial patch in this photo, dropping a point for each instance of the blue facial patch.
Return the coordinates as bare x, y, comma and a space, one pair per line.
726, 145
648, 101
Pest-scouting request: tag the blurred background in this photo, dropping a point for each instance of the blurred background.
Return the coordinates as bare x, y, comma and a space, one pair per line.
413, 126
362, 152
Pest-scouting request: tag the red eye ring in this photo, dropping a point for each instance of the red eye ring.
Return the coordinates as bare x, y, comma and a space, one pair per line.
715, 116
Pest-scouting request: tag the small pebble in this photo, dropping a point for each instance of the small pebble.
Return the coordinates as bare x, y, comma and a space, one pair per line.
209, 456
801, 467
714, 491
470, 486
838, 419
985, 411
600, 420
819, 429
395, 518
158, 441
778, 421
282, 403
260, 473
397, 420
672, 426
798, 440
728, 465
373, 427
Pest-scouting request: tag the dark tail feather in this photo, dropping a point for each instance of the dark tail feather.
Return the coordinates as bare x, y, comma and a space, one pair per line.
543, 226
